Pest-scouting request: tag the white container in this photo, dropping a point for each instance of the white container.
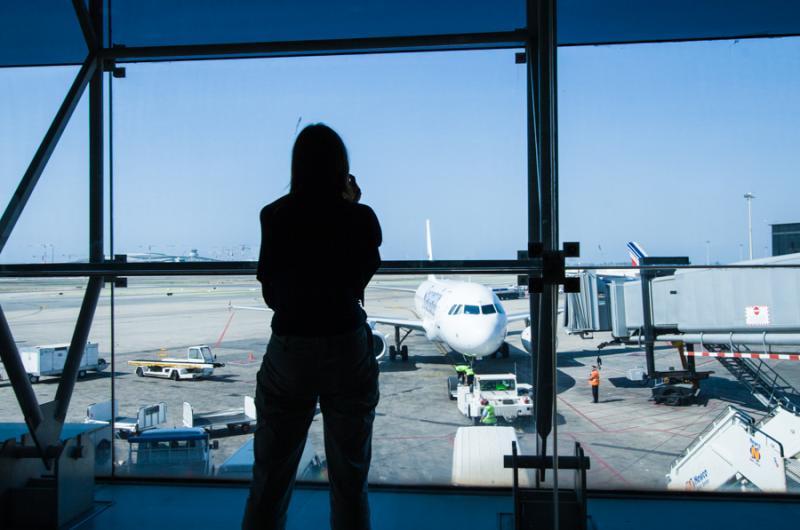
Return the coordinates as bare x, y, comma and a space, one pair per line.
49, 360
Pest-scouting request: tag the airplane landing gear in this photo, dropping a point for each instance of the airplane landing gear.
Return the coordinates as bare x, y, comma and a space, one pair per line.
398, 345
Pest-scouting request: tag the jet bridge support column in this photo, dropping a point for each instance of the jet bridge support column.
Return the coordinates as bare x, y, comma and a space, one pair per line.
647, 275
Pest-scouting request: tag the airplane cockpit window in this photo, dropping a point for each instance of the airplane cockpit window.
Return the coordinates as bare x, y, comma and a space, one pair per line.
453, 309
472, 310
488, 309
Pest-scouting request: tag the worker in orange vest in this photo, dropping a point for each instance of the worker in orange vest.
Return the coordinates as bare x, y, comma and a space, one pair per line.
594, 380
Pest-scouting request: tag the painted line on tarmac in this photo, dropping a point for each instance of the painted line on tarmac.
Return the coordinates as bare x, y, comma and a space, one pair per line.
602, 461
581, 414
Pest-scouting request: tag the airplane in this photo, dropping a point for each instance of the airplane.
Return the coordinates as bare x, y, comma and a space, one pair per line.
467, 317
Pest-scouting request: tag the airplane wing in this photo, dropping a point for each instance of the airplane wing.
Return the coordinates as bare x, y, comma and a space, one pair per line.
516, 317
251, 308
399, 322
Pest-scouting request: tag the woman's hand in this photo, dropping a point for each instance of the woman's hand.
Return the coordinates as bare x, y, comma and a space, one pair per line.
351, 191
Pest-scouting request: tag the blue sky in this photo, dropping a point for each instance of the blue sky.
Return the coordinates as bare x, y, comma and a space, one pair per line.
658, 143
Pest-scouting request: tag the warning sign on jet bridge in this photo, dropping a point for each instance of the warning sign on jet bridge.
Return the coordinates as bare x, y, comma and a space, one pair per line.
756, 315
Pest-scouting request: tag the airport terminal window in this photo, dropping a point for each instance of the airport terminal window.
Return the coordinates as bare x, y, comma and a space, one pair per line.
639, 126
417, 126
715, 118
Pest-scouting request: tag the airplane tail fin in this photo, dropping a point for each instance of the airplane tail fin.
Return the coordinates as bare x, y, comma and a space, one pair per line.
429, 245
636, 253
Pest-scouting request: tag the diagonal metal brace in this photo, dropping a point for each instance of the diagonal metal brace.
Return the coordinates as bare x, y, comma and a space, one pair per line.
85, 20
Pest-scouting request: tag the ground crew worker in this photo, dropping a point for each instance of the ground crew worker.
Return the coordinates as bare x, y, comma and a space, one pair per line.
487, 416
594, 380
599, 363
461, 370
470, 373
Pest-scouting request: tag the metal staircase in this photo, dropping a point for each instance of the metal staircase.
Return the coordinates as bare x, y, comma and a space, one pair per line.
767, 385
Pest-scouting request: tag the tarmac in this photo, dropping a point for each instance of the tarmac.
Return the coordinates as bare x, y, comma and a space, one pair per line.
630, 440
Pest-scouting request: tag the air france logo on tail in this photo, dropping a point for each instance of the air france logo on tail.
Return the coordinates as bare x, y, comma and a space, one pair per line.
636, 252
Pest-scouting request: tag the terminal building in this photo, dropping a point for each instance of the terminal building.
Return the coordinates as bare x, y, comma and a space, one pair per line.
138, 136
785, 238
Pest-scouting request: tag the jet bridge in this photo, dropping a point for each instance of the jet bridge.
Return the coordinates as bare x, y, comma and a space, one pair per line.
741, 316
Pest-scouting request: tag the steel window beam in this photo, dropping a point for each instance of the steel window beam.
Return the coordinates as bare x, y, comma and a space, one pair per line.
542, 69
96, 254
89, 35
241, 268
508, 39
26, 186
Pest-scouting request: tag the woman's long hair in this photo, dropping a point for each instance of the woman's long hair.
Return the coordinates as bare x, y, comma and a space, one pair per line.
319, 162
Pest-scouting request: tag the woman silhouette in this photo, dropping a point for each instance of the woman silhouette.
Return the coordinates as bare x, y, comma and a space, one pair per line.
319, 249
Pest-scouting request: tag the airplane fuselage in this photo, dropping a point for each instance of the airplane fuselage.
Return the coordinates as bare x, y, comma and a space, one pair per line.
467, 316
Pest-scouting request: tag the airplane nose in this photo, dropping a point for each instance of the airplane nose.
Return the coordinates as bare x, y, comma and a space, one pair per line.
480, 338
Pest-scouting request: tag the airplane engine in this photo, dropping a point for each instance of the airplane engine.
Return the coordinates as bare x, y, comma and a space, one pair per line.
379, 344
526, 339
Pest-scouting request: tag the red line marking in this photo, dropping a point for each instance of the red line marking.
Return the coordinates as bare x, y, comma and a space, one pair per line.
600, 459
581, 414
224, 330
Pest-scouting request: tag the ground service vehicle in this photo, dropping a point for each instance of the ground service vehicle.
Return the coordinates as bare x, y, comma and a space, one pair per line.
509, 399
240, 418
178, 452
736, 453
147, 417
199, 362
49, 360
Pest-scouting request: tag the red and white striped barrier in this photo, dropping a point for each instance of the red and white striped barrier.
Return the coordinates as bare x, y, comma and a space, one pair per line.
746, 355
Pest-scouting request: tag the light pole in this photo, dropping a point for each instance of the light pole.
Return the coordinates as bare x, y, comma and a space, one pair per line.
708, 252
749, 198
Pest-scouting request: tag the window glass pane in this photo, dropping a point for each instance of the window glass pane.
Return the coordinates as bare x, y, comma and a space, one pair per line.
202, 146
54, 225
655, 141
472, 310
714, 378
659, 143
488, 309
41, 314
